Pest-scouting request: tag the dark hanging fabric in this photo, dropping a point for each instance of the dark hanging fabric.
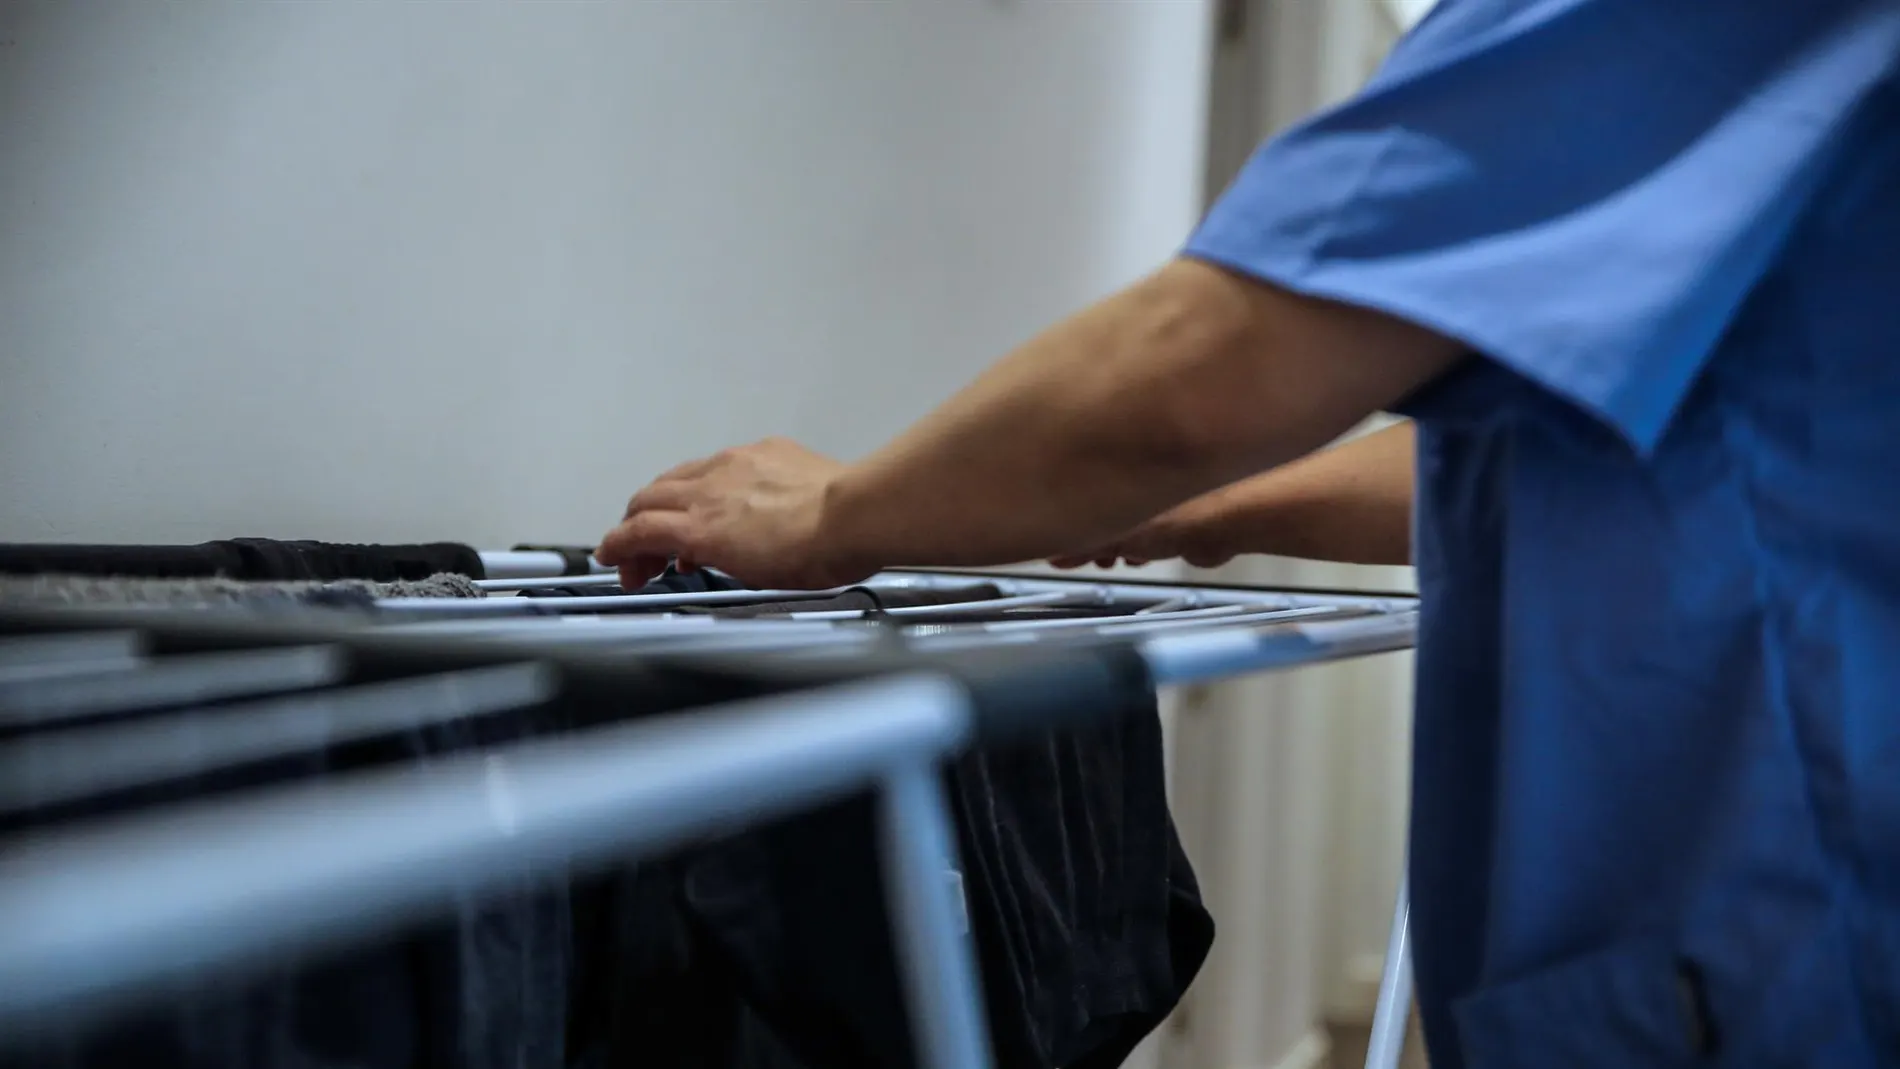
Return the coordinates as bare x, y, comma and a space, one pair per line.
771, 949
482, 985
1086, 916
245, 558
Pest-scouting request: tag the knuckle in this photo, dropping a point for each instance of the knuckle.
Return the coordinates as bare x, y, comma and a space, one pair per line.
692, 532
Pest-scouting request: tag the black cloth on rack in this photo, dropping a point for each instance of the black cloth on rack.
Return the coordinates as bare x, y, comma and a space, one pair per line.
857, 599
245, 558
482, 986
771, 949
670, 582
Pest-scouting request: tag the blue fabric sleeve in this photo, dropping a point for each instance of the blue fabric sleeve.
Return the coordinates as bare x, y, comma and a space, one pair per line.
1583, 191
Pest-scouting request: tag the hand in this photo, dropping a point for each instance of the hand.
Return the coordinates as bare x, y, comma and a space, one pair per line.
755, 512
1191, 531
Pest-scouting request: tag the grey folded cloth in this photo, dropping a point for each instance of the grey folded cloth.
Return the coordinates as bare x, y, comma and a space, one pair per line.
339, 593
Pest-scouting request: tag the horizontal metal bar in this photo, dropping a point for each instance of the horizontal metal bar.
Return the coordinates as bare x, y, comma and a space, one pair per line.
170, 681
1213, 613
889, 581
1045, 599
88, 653
124, 905
1150, 593
957, 608
708, 633
55, 767
545, 581
1134, 594
1201, 656
815, 638
561, 627
462, 607
1140, 625
832, 633
1364, 634
600, 603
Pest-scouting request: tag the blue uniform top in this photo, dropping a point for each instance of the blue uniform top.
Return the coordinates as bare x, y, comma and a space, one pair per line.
1656, 816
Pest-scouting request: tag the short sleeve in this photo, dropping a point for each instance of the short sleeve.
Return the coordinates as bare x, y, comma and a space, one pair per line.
1583, 191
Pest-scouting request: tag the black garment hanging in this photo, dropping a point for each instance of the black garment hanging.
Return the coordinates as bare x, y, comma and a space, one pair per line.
771, 949
482, 986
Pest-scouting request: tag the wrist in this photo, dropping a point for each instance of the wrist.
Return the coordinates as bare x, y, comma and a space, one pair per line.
844, 539
1264, 515
1204, 532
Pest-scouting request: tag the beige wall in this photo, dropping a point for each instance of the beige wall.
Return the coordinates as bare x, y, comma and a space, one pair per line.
378, 272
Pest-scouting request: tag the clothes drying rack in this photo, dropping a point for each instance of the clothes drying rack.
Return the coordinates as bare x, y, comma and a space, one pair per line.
853, 700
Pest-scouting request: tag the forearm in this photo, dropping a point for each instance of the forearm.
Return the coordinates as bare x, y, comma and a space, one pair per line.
1184, 383
1351, 503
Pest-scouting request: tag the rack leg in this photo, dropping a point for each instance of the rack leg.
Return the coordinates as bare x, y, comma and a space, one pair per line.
946, 1006
1395, 990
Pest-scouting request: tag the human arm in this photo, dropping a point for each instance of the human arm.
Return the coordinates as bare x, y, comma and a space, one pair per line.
1430, 196
1186, 381
1351, 503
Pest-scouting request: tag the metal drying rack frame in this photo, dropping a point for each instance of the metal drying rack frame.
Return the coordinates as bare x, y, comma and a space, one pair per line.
93, 916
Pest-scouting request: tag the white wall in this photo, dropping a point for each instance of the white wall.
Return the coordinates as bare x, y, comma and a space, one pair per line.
475, 271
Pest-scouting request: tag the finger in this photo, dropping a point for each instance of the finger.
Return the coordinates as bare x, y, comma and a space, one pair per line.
637, 573
653, 533
686, 472
669, 495
1077, 559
